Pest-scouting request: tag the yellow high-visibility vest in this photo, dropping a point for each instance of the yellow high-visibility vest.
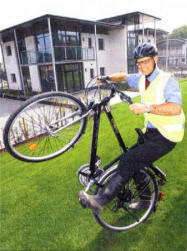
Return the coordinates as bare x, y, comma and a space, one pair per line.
170, 126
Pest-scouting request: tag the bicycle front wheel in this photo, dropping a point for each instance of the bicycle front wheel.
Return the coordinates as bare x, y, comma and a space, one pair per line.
117, 215
45, 126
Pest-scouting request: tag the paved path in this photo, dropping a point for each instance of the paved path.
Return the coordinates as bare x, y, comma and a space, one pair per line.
8, 106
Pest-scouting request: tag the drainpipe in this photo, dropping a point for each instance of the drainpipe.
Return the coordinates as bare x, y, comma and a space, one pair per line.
19, 62
53, 52
96, 49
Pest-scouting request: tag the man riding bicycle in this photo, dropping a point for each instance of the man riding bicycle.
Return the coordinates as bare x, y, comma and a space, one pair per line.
161, 104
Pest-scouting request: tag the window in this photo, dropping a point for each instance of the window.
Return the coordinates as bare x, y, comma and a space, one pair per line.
47, 78
21, 44
101, 43
102, 71
27, 79
89, 42
69, 38
72, 38
91, 73
70, 77
8, 50
13, 77
44, 48
43, 42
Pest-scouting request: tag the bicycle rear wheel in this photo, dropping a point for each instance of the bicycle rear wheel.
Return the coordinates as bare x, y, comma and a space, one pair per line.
45, 126
117, 216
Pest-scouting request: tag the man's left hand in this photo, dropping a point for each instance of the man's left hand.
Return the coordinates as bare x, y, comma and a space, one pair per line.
138, 108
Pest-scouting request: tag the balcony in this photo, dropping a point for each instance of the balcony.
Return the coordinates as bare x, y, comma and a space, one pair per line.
62, 53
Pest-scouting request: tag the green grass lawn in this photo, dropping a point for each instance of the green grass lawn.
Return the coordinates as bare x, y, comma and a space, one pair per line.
39, 208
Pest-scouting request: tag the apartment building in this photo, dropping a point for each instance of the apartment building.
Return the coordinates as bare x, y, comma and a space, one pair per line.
60, 53
172, 53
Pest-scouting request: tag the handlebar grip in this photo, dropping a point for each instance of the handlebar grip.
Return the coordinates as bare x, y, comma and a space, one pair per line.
104, 79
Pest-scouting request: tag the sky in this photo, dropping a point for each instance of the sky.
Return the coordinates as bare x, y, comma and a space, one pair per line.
172, 12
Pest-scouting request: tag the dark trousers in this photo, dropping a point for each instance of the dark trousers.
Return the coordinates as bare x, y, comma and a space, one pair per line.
154, 147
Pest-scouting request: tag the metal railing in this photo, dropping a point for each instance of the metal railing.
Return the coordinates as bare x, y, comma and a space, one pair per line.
62, 53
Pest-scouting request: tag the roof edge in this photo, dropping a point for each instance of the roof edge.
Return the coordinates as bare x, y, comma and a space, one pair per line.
63, 17
130, 13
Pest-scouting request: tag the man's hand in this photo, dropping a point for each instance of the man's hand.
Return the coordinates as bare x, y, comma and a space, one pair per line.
116, 77
138, 108
99, 82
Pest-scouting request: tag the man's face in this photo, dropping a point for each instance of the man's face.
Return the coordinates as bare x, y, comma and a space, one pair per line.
146, 64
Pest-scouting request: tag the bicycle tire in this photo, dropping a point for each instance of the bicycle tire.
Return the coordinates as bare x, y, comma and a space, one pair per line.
122, 220
30, 133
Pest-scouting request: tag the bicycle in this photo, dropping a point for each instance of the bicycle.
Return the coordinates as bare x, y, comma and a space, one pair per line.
50, 124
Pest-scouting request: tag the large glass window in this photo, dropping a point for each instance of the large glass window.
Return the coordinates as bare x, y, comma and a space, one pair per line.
21, 44
71, 38
61, 38
67, 38
44, 48
43, 42
66, 45
70, 77
47, 78
22, 50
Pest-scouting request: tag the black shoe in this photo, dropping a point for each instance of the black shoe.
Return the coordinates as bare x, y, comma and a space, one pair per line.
142, 204
98, 201
90, 201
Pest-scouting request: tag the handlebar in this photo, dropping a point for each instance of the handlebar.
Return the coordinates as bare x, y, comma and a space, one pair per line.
112, 85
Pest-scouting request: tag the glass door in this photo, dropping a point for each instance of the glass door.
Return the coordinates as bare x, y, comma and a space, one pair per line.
47, 78
27, 80
70, 77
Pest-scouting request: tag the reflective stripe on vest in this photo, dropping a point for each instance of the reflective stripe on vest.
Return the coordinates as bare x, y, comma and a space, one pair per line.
170, 126
174, 128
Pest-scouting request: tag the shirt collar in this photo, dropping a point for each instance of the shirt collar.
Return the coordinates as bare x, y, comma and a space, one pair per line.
153, 75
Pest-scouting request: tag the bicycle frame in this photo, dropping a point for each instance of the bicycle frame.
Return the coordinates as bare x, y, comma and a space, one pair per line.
94, 159
95, 132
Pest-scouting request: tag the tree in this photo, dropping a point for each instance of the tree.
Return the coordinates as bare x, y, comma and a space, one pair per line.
180, 32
